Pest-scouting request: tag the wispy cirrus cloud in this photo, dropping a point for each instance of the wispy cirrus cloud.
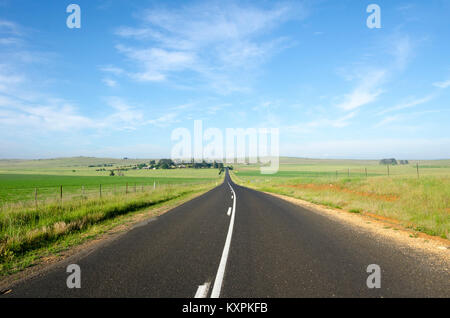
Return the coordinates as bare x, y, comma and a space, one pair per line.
156, 63
310, 126
109, 82
112, 70
45, 115
371, 80
412, 102
9, 27
217, 42
402, 117
443, 84
366, 92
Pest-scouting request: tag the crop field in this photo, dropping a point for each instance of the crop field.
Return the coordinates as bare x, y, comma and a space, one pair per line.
416, 195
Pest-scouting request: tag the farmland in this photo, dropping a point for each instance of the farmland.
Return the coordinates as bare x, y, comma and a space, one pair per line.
19, 178
37, 219
417, 198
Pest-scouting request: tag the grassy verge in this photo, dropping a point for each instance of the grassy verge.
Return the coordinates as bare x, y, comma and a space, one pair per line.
28, 234
422, 204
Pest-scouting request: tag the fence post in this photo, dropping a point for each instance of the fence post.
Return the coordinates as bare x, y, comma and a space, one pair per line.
348, 172
126, 190
366, 172
35, 198
82, 192
100, 191
60, 193
417, 167
154, 184
388, 169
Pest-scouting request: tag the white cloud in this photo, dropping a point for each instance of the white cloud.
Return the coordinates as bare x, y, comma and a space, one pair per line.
367, 91
44, 117
401, 49
124, 115
411, 103
10, 41
164, 120
388, 119
444, 84
217, 41
156, 63
371, 80
401, 117
9, 27
109, 82
112, 69
308, 127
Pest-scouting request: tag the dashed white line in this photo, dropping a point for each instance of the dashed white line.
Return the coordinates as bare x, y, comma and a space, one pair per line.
223, 261
229, 211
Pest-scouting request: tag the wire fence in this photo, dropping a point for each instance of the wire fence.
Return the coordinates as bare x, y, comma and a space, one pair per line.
339, 172
38, 196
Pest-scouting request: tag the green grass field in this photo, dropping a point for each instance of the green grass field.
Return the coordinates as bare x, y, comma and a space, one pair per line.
418, 201
19, 178
31, 229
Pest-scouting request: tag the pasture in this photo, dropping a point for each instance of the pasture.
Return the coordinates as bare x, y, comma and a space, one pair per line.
420, 201
21, 179
37, 221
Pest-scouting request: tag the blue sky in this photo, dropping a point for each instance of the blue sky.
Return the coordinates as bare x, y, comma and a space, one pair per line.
136, 70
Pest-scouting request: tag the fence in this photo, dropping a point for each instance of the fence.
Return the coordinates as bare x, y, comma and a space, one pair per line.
40, 195
339, 172
386, 170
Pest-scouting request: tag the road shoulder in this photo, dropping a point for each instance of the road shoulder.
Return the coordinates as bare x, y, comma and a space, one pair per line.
93, 242
380, 228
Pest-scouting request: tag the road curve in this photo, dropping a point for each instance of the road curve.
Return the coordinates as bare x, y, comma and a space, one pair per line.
237, 242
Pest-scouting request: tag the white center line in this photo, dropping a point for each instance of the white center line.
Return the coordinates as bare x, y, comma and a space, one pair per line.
202, 290
223, 261
229, 211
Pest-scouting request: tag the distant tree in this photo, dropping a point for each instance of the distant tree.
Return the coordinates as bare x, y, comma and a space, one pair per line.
111, 173
390, 161
166, 162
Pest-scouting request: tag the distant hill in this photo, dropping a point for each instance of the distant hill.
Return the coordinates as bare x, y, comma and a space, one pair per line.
66, 162
6, 164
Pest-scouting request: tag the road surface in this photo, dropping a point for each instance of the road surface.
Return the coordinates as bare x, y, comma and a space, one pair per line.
236, 242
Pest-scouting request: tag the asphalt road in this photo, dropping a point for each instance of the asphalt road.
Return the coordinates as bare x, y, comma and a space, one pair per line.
237, 242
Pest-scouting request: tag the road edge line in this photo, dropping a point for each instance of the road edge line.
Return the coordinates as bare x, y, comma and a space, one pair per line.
223, 261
